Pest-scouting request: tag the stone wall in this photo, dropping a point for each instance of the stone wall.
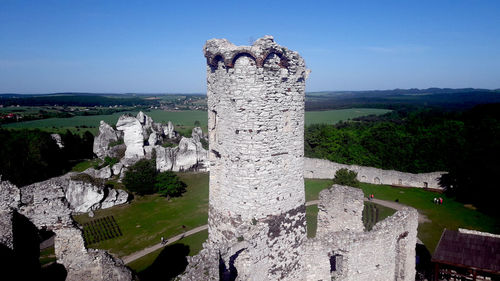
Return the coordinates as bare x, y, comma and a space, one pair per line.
340, 209
387, 252
324, 169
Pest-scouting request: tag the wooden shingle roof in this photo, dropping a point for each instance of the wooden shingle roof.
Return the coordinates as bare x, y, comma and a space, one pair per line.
469, 251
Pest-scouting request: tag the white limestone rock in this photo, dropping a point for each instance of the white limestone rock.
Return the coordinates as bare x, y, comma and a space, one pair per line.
165, 158
103, 173
189, 155
197, 133
114, 197
58, 140
117, 168
153, 139
168, 130
132, 136
105, 136
84, 197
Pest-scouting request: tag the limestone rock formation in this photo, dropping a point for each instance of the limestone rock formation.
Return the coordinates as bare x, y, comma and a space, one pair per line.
142, 138
132, 136
58, 140
114, 197
105, 136
189, 155
103, 173
197, 134
168, 131
83, 197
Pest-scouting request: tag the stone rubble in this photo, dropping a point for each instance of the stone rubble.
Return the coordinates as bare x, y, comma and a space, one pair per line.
45, 205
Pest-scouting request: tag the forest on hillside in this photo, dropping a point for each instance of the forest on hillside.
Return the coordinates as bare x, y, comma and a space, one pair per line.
464, 143
29, 156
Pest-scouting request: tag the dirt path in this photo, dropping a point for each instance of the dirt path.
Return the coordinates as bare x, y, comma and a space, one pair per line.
145, 251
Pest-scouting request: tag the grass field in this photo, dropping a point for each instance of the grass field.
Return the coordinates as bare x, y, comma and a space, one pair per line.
148, 218
334, 116
450, 215
194, 242
183, 119
178, 118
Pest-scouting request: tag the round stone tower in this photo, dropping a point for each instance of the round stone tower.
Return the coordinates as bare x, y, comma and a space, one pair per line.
256, 132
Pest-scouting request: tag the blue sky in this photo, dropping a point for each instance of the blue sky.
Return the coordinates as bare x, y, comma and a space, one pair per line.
156, 46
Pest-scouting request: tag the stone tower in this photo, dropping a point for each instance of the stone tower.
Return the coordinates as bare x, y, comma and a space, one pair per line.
256, 132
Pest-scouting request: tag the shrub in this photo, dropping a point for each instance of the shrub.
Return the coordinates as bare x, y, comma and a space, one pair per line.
204, 143
115, 143
140, 177
108, 161
346, 177
168, 184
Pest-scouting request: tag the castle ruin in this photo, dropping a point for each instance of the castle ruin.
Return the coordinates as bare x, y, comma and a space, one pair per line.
257, 223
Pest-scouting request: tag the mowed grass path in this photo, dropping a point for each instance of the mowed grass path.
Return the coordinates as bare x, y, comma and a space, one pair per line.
450, 215
182, 118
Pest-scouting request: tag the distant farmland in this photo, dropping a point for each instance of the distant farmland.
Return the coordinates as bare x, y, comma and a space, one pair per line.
185, 118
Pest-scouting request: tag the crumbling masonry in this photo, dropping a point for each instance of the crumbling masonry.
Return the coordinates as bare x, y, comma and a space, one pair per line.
257, 225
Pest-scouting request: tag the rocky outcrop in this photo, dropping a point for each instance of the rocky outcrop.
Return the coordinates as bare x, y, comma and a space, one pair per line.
104, 138
114, 197
45, 206
103, 173
85, 194
142, 139
168, 131
84, 197
197, 134
132, 136
57, 139
189, 155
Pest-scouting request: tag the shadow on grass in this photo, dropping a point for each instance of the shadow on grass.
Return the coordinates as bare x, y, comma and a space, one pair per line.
169, 263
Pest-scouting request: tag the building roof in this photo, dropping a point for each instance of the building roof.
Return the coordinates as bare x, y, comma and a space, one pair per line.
468, 250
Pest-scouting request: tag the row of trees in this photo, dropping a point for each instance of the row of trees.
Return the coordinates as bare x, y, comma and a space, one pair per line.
28, 156
143, 178
466, 144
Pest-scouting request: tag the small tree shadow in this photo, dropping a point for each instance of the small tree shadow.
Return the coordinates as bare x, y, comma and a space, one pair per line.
170, 263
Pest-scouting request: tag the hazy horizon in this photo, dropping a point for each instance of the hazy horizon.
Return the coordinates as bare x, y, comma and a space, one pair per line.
156, 47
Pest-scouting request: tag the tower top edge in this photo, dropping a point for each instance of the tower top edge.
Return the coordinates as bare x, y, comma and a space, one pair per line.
216, 50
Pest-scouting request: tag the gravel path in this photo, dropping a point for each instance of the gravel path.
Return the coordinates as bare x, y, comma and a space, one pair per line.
145, 251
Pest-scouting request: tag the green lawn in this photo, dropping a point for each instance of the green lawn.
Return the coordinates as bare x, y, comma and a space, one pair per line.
334, 116
178, 118
182, 120
194, 242
450, 215
148, 218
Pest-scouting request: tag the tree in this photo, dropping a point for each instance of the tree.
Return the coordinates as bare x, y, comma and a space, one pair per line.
140, 177
168, 184
346, 177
